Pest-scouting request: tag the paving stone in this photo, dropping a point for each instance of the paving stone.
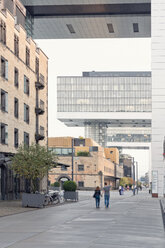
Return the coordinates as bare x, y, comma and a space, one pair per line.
131, 221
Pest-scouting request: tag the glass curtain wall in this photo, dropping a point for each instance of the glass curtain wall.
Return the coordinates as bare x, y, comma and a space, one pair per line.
104, 94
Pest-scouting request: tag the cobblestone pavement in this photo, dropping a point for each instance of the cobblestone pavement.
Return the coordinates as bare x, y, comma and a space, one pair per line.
131, 221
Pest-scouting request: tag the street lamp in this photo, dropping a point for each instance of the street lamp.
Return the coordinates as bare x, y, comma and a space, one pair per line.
72, 158
133, 175
137, 176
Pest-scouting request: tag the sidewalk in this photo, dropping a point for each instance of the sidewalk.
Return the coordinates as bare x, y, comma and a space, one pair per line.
131, 221
12, 207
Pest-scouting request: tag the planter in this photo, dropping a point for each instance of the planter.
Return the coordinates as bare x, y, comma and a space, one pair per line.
71, 195
33, 200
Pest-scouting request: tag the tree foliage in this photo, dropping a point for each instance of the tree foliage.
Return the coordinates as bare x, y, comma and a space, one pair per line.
83, 153
126, 181
33, 162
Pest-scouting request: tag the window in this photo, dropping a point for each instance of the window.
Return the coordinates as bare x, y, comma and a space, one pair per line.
3, 32
80, 167
80, 184
71, 29
4, 68
37, 67
16, 76
15, 137
63, 168
26, 85
110, 28
27, 56
4, 101
16, 45
26, 138
26, 113
16, 106
135, 27
42, 130
111, 152
4, 133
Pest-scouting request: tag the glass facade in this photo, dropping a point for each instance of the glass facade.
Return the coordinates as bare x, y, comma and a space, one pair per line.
62, 151
97, 131
104, 94
129, 138
129, 134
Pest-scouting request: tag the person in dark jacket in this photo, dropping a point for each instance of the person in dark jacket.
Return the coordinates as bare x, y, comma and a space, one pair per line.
97, 195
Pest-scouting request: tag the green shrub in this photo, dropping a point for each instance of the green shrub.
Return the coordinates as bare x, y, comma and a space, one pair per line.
70, 186
56, 184
83, 153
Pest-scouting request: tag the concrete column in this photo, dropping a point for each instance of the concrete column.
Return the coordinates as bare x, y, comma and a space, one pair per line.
158, 96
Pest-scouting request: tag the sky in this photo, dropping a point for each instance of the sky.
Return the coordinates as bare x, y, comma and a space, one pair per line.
70, 57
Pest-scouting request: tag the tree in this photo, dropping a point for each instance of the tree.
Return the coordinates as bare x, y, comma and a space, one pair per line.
126, 181
33, 163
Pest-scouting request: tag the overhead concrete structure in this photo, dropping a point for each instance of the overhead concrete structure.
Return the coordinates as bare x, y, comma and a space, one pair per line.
61, 19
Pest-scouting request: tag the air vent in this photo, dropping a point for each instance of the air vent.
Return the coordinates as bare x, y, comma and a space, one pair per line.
71, 29
110, 27
135, 27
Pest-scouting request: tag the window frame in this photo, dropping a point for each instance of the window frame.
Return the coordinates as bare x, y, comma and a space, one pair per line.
4, 134
26, 85
26, 113
27, 57
16, 107
3, 32
16, 78
4, 101
81, 166
16, 45
16, 137
79, 184
4, 68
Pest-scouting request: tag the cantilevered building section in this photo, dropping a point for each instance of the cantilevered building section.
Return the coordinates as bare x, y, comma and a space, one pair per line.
106, 101
69, 19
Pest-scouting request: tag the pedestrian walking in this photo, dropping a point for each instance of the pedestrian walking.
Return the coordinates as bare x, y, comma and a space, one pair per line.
106, 194
97, 195
120, 190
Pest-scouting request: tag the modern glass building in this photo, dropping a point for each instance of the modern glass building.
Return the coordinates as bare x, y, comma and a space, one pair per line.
107, 100
105, 92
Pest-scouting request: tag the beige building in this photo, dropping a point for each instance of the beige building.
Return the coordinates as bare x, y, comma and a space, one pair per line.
91, 168
23, 91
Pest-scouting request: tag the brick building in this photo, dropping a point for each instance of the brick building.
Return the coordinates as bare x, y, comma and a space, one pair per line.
23, 93
91, 166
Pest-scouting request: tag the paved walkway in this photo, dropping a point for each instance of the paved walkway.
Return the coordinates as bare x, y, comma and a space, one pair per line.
12, 207
131, 221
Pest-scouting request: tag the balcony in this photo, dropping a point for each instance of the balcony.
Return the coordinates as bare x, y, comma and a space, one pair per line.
39, 110
40, 134
40, 83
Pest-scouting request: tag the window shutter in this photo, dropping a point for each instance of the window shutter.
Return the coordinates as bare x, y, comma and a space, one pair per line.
6, 102
6, 134
6, 69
